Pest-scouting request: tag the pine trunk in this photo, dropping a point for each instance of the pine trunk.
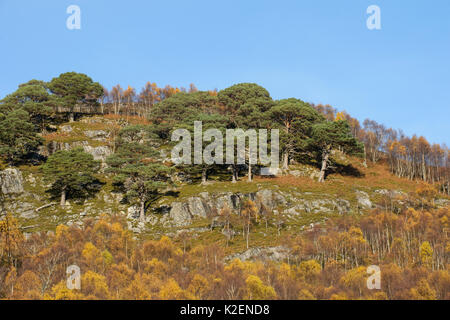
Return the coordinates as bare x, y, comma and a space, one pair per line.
204, 176
142, 211
285, 161
323, 170
63, 198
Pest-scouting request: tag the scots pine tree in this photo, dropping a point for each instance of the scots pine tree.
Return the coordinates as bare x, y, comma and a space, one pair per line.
72, 173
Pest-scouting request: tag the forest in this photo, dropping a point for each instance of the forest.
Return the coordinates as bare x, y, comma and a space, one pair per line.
404, 233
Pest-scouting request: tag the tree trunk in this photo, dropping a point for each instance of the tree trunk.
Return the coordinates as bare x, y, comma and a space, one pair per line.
249, 172
204, 175
71, 117
63, 198
142, 211
234, 173
424, 169
325, 156
248, 232
285, 161
365, 157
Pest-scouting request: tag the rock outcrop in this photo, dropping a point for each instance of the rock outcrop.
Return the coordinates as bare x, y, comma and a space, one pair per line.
206, 205
11, 181
99, 153
264, 254
340, 206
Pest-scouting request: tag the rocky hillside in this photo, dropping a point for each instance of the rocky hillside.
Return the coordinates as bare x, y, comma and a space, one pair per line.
297, 202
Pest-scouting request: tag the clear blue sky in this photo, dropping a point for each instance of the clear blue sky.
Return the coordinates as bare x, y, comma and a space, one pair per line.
319, 51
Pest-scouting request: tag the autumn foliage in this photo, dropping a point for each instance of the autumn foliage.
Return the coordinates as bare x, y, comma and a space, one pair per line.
326, 262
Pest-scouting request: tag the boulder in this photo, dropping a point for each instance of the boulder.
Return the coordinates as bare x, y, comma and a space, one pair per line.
11, 181
180, 215
66, 129
228, 199
270, 199
363, 200
100, 135
99, 153
196, 207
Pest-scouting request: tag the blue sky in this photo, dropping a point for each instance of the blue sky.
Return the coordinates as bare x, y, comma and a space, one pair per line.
319, 51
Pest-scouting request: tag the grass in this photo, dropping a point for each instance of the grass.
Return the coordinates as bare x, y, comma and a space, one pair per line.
78, 132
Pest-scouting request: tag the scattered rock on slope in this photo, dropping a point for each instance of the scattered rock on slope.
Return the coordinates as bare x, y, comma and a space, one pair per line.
265, 254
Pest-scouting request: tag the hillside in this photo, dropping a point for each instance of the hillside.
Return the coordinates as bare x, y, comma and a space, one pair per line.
296, 195
103, 193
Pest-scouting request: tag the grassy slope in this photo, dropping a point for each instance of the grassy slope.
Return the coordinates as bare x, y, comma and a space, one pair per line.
373, 178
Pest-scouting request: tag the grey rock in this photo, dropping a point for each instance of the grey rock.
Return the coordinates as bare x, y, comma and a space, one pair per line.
363, 200
66, 129
319, 206
227, 200
151, 219
100, 135
342, 206
279, 253
133, 212
206, 205
180, 215
99, 153
196, 207
441, 203
270, 199
25, 210
11, 181
204, 195
391, 193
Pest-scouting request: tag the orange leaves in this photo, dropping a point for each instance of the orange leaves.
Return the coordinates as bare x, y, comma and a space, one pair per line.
340, 116
199, 286
256, 290
172, 291
426, 254
250, 210
94, 286
410, 247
